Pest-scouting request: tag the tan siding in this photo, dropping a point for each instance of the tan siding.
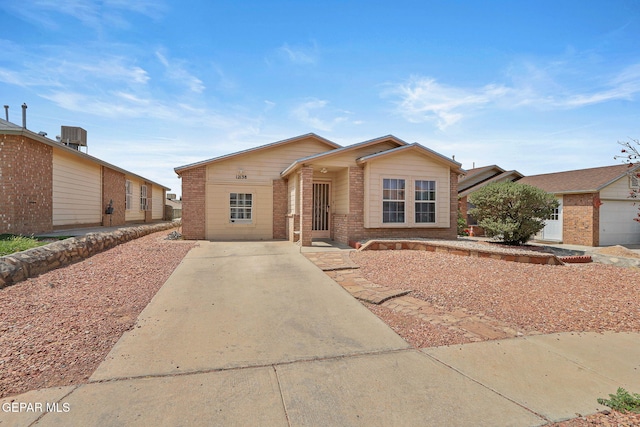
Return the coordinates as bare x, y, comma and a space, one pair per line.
341, 192
410, 168
348, 159
262, 166
259, 169
77, 190
293, 194
157, 204
219, 226
134, 214
618, 190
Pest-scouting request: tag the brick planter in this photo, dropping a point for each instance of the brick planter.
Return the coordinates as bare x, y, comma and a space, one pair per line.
417, 245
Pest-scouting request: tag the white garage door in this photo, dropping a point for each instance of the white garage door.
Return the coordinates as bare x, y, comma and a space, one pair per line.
617, 226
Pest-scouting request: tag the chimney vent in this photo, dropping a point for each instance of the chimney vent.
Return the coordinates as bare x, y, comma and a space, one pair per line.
6, 112
24, 115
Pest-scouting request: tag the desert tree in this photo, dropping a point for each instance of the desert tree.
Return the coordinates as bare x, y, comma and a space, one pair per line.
630, 154
512, 212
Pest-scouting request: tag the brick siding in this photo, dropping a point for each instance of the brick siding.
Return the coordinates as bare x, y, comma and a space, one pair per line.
280, 208
580, 220
306, 205
193, 203
113, 188
26, 185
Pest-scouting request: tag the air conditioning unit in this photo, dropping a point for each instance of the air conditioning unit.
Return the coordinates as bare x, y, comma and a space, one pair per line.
73, 136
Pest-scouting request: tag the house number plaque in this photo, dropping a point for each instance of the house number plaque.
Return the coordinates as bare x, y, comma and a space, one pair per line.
240, 174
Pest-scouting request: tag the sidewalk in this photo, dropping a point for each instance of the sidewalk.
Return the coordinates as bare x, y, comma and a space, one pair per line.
252, 333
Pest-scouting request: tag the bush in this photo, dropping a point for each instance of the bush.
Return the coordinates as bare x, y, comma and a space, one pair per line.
622, 401
512, 212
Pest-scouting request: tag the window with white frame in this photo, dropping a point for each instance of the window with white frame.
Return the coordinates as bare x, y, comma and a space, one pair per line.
128, 186
393, 200
425, 200
144, 200
555, 215
241, 208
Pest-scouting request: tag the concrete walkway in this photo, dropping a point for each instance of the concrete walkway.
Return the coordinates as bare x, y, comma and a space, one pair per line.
255, 334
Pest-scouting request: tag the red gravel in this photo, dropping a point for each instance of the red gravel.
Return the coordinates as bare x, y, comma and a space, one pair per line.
542, 298
56, 328
547, 299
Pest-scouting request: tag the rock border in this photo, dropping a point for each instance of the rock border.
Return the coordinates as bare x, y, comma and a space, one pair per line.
457, 249
19, 266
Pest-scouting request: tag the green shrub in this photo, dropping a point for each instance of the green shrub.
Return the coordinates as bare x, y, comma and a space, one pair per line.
622, 401
12, 244
511, 211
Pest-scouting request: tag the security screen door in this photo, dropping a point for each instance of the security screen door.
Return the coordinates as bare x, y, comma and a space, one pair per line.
321, 216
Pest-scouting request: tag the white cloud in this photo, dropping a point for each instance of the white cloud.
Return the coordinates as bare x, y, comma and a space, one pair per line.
299, 55
424, 99
310, 112
176, 71
91, 13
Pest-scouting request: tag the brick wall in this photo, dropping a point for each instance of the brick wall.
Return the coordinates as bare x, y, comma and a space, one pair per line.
580, 220
113, 188
306, 205
193, 203
280, 208
26, 185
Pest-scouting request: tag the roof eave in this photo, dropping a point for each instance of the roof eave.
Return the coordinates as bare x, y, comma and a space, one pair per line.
32, 135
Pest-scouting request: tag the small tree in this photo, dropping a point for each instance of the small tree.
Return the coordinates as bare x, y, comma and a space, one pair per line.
631, 156
511, 211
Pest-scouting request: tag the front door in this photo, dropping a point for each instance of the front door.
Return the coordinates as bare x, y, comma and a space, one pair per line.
321, 214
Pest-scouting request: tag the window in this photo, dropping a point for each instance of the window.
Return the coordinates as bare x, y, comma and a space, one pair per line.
555, 215
240, 207
425, 199
129, 194
144, 201
392, 200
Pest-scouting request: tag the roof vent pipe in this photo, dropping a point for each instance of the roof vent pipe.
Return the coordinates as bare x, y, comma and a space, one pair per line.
6, 112
24, 115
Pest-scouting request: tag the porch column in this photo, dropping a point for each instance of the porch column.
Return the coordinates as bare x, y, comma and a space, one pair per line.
306, 205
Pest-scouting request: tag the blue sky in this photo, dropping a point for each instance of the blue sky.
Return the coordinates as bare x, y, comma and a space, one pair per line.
538, 86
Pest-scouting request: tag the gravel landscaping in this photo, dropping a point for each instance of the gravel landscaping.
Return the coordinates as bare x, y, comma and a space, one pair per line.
532, 298
56, 328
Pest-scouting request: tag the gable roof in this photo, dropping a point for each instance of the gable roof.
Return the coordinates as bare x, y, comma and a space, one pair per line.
330, 144
341, 150
578, 181
413, 147
512, 176
8, 128
477, 178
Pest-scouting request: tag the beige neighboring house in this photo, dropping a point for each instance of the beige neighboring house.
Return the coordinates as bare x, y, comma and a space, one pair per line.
595, 208
308, 187
475, 179
47, 185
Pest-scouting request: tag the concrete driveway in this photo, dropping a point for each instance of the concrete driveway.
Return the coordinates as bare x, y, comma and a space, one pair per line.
252, 333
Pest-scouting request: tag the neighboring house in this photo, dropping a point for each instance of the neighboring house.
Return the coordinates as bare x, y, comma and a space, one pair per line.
595, 208
308, 187
173, 207
47, 185
477, 178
